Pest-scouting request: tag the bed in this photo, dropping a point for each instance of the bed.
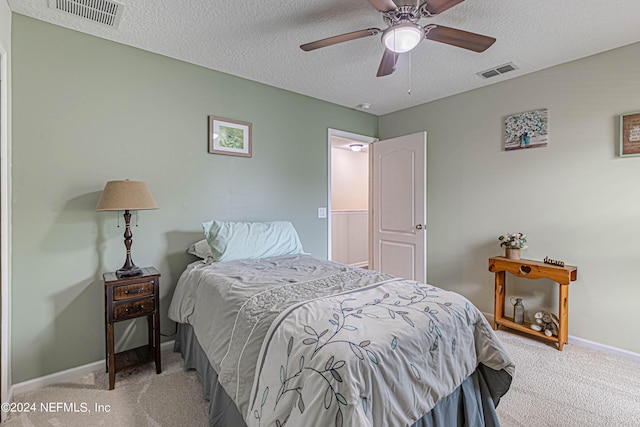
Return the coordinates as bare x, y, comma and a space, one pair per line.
290, 339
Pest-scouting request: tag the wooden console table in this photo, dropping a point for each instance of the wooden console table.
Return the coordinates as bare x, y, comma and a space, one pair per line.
532, 270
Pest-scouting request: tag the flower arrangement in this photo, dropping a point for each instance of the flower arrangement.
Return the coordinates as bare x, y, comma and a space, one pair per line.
534, 123
513, 241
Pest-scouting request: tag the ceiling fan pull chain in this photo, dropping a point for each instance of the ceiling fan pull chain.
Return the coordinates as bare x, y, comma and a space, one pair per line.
410, 74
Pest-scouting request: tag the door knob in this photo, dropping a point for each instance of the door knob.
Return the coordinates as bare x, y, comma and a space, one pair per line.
419, 227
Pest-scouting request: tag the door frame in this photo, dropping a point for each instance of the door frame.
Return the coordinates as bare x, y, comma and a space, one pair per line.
5, 236
346, 135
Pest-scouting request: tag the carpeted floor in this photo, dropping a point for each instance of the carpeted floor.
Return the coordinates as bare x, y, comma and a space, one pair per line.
575, 387
140, 398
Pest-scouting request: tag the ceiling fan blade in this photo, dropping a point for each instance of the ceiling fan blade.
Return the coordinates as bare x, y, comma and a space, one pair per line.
339, 39
435, 7
459, 38
384, 5
388, 63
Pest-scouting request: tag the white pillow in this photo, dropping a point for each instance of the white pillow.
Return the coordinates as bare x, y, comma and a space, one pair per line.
230, 241
201, 249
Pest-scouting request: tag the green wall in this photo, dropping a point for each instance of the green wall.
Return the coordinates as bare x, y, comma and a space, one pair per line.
576, 199
86, 111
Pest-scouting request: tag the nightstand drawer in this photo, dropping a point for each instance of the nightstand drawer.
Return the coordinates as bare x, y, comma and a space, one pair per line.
133, 309
132, 291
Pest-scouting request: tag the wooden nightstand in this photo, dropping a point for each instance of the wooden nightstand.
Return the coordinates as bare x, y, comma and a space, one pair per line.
532, 270
128, 298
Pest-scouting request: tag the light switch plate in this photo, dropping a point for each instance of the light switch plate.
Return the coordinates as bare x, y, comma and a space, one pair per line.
322, 212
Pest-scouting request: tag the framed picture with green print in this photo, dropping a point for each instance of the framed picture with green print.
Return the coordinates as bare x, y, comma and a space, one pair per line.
229, 137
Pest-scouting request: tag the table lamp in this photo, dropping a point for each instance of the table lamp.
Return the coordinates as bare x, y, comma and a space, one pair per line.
126, 196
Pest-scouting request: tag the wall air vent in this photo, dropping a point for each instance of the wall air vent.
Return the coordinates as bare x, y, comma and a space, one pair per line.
496, 71
106, 12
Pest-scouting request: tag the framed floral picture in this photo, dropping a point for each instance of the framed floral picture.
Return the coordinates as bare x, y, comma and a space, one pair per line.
230, 137
526, 130
630, 134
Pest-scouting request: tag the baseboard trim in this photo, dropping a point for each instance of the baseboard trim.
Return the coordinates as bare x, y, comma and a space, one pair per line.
362, 264
58, 377
582, 342
620, 352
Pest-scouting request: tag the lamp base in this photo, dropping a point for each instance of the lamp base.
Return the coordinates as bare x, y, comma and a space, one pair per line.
129, 272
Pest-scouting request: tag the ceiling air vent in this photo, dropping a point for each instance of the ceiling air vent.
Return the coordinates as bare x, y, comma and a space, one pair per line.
106, 12
496, 71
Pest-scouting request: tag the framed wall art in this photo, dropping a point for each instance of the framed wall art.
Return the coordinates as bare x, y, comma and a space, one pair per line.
630, 134
526, 130
230, 137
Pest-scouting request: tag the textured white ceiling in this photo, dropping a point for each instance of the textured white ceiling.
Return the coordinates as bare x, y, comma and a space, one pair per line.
259, 40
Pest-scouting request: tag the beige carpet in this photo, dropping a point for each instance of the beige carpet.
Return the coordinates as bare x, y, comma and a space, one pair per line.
575, 387
572, 387
140, 398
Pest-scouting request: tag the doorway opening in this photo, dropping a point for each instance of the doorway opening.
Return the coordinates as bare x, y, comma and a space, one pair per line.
348, 199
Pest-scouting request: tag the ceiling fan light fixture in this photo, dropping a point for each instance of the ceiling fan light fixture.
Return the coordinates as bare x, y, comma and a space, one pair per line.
403, 37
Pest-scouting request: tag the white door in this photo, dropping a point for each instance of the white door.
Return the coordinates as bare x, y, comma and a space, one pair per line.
398, 206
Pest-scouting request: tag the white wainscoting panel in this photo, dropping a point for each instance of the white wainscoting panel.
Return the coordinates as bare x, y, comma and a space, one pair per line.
350, 237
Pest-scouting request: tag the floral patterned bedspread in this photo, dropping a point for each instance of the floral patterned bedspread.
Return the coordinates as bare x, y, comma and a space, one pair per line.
231, 306
301, 341
380, 355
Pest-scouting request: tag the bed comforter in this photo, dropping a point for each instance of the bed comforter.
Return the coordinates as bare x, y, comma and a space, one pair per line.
302, 341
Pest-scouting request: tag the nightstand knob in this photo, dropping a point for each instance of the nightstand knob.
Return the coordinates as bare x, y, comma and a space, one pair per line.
134, 309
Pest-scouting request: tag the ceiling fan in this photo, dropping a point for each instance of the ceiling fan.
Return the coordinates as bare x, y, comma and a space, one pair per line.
404, 33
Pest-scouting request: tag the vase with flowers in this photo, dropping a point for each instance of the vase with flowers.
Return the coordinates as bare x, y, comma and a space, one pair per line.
513, 243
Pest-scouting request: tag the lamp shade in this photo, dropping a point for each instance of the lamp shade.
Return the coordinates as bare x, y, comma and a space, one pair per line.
126, 195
